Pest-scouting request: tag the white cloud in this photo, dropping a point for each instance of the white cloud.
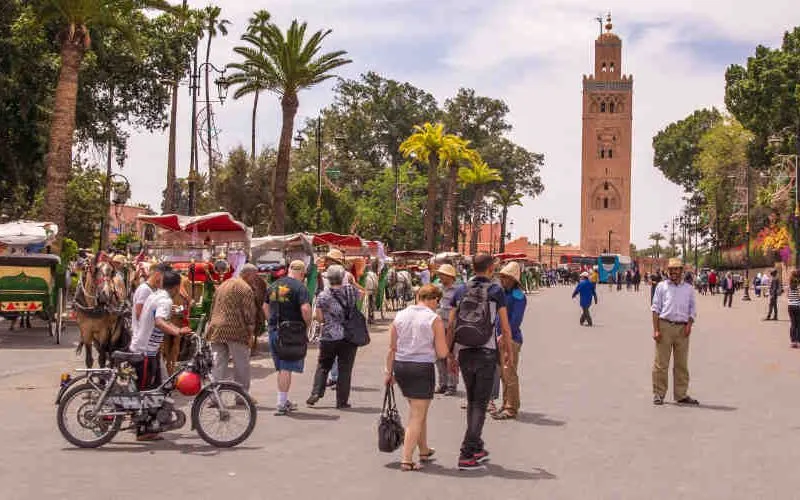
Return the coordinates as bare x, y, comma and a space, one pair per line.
532, 54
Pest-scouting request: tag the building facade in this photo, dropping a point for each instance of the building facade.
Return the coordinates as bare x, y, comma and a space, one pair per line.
122, 219
607, 145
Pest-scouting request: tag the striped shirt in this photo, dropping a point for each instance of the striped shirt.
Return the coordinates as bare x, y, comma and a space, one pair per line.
794, 296
233, 313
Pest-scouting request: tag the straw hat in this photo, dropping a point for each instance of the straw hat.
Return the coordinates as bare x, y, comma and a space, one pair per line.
674, 263
119, 259
584, 274
447, 270
511, 270
298, 265
335, 255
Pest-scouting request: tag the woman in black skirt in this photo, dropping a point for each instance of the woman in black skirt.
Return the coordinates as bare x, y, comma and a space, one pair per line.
417, 338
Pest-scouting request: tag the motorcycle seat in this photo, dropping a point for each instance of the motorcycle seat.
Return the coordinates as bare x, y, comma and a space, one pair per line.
130, 357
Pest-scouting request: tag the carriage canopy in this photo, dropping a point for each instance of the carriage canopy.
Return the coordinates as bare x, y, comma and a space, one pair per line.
27, 236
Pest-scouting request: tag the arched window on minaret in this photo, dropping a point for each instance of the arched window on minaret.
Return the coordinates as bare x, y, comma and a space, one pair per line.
603, 67
610, 153
602, 153
611, 67
605, 184
605, 202
602, 107
611, 107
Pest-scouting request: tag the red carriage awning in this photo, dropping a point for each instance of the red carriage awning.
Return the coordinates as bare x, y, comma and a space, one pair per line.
338, 240
214, 222
511, 256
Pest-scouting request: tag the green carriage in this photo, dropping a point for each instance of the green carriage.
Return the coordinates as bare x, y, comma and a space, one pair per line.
31, 283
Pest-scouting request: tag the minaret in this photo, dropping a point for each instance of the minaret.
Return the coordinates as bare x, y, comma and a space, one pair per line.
606, 161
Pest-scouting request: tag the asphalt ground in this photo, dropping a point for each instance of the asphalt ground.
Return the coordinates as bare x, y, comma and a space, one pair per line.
587, 428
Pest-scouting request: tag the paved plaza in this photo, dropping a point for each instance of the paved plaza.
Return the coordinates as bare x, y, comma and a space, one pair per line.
588, 428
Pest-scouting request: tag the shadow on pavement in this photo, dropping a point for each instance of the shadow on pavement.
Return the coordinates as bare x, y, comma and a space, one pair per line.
493, 470
365, 389
259, 372
539, 419
312, 416
702, 406
165, 445
366, 410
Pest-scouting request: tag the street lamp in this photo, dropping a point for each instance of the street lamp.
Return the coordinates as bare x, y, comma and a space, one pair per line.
300, 140
194, 87
552, 240
541, 221
117, 192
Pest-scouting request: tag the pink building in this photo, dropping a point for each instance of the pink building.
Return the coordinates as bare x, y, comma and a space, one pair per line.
123, 220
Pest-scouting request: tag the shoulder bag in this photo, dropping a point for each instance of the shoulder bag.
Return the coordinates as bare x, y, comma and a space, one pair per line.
355, 324
292, 341
390, 427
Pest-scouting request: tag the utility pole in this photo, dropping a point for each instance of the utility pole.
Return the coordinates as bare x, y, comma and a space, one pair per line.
552, 241
541, 221
319, 173
746, 296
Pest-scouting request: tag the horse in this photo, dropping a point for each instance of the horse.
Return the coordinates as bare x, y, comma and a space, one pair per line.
371, 284
403, 290
171, 346
99, 308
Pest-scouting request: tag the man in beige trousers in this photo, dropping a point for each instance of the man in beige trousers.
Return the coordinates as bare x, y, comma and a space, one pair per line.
674, 312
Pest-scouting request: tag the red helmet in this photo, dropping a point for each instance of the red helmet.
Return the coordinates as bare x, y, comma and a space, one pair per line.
189, 383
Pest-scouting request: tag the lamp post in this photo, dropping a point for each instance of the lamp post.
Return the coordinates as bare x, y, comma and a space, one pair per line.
552, 240
194, 88
541, 221
746, 296
300, 140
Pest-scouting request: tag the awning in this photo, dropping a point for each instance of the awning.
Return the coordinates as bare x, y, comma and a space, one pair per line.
412, 255
341, 241
213, 222
511, 256
25, 233
302, 241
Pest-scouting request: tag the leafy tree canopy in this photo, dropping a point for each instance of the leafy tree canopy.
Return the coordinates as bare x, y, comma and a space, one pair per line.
677, 146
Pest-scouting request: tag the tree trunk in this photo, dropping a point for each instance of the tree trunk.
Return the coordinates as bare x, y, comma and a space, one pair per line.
253, 131
62, 128
289, 105
449, 206
169, 196
430, 203
208, 117
476, 222
503, 219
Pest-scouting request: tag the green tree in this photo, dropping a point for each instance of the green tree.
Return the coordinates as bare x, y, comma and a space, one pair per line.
338, 207
505, 199
478, 176
656, 238
676, 147
241, 187
249, 78
75, 20
292, 63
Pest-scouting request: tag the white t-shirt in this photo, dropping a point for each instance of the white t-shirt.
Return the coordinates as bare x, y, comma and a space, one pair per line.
147, 338
139, 297
414, 326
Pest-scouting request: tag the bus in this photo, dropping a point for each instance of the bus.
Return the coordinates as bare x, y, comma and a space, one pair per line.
578, 262
611, 265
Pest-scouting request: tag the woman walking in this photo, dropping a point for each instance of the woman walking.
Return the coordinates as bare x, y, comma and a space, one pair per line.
417, 339
794, 308
333, 305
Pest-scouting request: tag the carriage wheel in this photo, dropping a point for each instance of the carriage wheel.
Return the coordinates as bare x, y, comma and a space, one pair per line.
60, 316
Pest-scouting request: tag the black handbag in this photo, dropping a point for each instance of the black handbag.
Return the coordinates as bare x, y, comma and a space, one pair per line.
355, 325
391, 433
292, 341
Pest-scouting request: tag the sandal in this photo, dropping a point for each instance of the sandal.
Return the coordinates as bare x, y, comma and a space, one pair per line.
409, 467
427, 457
504, 415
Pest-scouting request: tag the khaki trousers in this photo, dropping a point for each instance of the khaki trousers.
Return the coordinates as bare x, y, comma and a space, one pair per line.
508, 375
673, 339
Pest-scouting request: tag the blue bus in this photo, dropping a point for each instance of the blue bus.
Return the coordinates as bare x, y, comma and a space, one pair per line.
610, 265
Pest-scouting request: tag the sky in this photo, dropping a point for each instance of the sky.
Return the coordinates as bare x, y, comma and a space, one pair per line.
530, 53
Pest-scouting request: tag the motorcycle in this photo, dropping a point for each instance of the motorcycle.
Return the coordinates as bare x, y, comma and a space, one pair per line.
93, 406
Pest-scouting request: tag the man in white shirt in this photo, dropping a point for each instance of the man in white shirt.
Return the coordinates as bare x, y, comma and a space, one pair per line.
144, 291
674, 312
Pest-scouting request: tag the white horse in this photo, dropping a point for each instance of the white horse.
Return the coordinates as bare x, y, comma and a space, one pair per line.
371, 284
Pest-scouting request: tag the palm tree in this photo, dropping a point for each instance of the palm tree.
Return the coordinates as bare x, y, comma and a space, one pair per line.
505, 198
75, 19
250, 78
213, 26
290, 63
656, 237
430, 145
478, 176
459, 153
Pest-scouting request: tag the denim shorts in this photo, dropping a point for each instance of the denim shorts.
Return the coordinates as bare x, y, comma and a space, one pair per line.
282, 364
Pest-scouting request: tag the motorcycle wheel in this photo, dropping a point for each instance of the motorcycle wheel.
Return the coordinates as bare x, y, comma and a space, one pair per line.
228, 424
76, 422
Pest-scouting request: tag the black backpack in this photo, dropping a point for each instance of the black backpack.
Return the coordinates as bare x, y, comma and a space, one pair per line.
474, 326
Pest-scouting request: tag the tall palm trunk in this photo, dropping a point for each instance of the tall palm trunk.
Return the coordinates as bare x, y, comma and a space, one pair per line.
430, 203
289, 105
62, 128
503, 219
477, 217
450, 215
253, 131
169, 197
208, 116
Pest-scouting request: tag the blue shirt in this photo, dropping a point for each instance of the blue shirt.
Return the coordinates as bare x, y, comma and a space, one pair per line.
586, 290
516, 302
673, 302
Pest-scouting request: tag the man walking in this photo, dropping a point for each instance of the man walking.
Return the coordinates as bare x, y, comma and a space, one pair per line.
775, 290
232, 326
516, 302
289, 308
477, 306
728, 287
448, 379
586, 290
674, 313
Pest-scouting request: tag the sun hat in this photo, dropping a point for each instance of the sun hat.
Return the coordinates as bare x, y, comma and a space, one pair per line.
674, 263
447, 270
298, 265
335, 255
511, 270
584, 274
119, 259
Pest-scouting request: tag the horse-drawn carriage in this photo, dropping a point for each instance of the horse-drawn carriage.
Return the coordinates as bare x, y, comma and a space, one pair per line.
405, 263
31, 283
